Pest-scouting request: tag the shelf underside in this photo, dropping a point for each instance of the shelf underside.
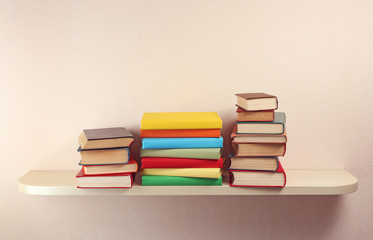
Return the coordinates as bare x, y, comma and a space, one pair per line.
299, 182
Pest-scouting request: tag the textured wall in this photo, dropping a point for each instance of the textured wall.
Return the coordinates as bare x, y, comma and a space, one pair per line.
69, 65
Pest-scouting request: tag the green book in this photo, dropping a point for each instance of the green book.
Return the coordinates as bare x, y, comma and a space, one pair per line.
199, 153
148, 180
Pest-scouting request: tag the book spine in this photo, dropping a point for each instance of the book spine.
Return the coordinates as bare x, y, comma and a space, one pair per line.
172, 124
147, 162
180, 133
179, 181
184, 172
197, 153
169, 143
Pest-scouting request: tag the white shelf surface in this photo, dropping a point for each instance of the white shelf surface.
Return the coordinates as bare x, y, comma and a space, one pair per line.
299, 182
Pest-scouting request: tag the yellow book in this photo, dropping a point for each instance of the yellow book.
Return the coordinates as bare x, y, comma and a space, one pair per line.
181, 120
184, 172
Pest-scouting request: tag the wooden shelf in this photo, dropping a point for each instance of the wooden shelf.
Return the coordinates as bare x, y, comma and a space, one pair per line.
299, 182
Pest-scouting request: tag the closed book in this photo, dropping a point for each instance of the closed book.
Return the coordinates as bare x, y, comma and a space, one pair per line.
256, 101
254, 163
255, 116
181, 120
257, 138
149, 162
184, 172
200, 153
129, 167
104, 156
182, 133
148, 180
123, 180
275, 127
165, 143
105, 138
248, 178
259, 149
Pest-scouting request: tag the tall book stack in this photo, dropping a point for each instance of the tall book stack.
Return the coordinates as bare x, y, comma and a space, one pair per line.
258, 139
181, 148
106, 159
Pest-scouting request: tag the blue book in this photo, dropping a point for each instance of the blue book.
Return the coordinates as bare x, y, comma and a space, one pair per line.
170, 143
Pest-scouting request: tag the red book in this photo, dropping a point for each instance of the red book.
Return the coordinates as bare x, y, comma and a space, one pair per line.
110, 169
255, 178
120, 180
151, 162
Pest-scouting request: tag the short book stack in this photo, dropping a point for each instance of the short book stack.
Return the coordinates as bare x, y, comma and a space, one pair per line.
181, 149
106, 159
258, 139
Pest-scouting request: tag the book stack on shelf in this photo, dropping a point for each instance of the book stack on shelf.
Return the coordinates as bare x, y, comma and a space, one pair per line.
106, 159
258, 139
181, 149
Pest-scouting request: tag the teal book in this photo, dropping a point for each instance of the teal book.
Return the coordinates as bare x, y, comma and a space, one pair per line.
199, 153
166, 143
275, 127
179, 181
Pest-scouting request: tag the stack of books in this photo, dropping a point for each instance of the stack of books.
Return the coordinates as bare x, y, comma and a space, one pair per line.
106, 159
258, 139
181, 149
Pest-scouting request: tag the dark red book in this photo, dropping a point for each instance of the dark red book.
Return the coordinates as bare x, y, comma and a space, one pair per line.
120, 180
151, 162
255, 178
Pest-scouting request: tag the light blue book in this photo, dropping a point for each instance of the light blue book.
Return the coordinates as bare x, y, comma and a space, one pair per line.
171, 143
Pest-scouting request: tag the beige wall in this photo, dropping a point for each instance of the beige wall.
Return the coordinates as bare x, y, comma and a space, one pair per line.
69, 65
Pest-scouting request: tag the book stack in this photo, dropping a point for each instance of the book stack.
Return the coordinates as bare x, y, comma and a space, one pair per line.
106, 159
258, 139
181, 149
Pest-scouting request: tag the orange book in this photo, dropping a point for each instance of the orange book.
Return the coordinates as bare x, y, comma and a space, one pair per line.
180, 133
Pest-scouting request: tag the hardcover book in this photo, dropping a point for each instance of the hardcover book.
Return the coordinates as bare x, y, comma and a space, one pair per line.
256, 101
105, 138
166, 143
275, 127
248, 178
129, 167
257, 138
200, 153
180, 133
181, 120
259, 149
104, 156
255, 116
148, 180
254, 163
149, 162
123, 180
184, 172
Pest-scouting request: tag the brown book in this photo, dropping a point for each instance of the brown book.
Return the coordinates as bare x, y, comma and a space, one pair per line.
255, 116
259, 149
256, 101
104, 156
105, 138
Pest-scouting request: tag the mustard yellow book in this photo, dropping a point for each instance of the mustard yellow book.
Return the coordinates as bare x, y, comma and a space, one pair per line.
184, 172
181, 120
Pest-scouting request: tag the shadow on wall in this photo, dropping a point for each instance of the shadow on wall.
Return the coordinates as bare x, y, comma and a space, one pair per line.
247, 217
